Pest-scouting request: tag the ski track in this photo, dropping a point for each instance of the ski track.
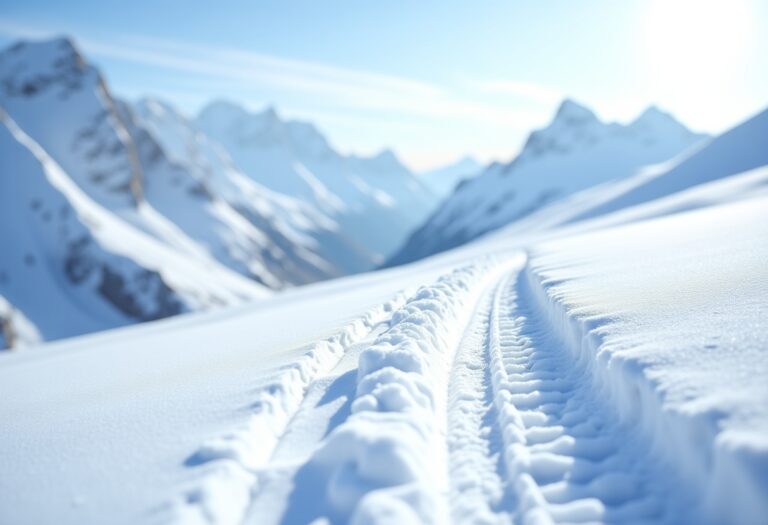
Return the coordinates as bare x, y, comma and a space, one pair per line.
568, 458
525, 437
234, 463
477, 487
325, 405
530, 439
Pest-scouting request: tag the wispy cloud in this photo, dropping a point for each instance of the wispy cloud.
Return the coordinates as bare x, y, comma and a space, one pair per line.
341, 87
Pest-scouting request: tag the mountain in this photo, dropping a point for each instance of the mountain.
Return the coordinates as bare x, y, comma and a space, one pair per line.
376, 200
443, 180
731, 165
71, 266
306, 244
188, 226
576, 151
740, 149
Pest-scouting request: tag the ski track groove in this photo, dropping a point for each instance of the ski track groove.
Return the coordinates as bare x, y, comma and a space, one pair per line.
236, 461
295, 448
476, 472
568, 458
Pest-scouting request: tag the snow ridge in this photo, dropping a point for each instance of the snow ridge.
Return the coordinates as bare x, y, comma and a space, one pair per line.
387, 461
569, 455
692, 444
232, 461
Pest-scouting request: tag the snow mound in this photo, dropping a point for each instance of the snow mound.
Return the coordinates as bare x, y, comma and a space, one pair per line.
231, 461
384, 464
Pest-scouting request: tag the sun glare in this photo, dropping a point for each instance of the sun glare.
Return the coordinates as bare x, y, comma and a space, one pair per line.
694, 49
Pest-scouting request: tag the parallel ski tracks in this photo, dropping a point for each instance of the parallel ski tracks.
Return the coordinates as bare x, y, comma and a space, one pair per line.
529, 438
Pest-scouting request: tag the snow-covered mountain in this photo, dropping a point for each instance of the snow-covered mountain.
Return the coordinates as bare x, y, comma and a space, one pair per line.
161, 185
733, 163
375, 200
740, 149
307, 245
443, 180
71, 266
574, 152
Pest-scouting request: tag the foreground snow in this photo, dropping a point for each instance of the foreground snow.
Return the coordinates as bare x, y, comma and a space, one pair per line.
615, 375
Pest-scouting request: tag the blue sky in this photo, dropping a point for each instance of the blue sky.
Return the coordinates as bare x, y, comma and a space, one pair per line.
433, 80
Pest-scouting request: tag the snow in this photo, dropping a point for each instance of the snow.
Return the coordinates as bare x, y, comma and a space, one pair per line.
602, 360
640, 347
669, 314
293, 158
72, 257
575, 152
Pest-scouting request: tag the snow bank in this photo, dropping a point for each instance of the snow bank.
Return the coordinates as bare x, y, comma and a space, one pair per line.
386, 463
231, 461
648, 310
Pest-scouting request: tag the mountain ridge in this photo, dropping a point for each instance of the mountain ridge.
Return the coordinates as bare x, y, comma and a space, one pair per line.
574, 151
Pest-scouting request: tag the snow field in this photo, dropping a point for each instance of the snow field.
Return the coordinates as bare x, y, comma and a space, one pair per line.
231, 461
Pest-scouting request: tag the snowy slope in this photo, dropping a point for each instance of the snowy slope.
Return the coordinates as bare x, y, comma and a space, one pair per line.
304, 245
731, 165
73, 267
96, 233
443, 180
738, 150
681, 339
376, 200
615, 376
185, 202
574, 152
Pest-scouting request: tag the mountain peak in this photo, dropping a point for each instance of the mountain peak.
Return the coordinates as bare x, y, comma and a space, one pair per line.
387, 155
269, 112
574, 114
222, 107
658, 122
652, 115
30, 66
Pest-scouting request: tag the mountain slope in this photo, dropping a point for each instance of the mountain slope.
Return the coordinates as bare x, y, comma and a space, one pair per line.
574, 152
730, 165
307, 245
72, 267
64, 104
739, 149
376, 200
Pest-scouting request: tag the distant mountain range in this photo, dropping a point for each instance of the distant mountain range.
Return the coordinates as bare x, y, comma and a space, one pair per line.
113, 213
575, 151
